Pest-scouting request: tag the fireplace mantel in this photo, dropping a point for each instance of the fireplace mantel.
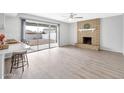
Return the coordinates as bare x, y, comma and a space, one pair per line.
91, 29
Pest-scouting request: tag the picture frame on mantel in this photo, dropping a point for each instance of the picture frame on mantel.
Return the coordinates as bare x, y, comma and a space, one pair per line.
87, 26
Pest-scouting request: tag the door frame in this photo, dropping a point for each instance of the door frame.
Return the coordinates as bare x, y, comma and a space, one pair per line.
23, 24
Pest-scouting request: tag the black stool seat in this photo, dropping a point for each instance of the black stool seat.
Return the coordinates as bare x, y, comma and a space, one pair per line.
19, 60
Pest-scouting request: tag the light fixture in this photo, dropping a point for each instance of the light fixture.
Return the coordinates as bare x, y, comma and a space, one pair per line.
71, 20
72, 17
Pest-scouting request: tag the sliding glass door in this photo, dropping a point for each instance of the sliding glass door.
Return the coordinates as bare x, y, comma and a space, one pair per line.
43, 42
40, 35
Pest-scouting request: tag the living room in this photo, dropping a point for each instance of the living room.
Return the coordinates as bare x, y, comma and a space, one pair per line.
97, 37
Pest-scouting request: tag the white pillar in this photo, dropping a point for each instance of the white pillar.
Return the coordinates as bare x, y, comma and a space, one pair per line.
2, 30
1, 66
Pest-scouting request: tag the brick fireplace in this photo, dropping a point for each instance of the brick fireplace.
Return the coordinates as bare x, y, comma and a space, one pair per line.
88, 34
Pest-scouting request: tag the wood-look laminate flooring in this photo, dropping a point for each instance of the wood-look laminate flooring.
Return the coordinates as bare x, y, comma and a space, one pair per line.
70, 63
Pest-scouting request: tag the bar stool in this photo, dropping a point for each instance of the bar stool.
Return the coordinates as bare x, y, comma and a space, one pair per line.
19, 60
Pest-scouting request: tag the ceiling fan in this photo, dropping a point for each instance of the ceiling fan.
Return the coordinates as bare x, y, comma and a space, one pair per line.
73, 17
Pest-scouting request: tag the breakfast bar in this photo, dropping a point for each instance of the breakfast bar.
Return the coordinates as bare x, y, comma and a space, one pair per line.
12, 48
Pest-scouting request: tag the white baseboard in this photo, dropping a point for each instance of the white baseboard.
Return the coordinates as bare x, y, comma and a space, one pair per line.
112, 50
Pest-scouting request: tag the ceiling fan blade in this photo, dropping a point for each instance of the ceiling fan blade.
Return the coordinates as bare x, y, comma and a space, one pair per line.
65, 15
78, 17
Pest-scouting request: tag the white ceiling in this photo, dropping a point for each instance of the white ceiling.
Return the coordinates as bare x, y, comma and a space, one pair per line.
11, 14
64, 16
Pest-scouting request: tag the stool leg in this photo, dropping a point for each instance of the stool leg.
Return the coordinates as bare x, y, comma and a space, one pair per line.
14, 60
22, 63
11, 64
11, 69
27, 60
18, 61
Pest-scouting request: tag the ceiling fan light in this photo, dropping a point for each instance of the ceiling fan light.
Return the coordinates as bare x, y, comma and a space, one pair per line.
71, 20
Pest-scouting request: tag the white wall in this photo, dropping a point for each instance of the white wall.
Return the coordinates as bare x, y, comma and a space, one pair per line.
64, 34
12, 27
73, 33
2, 23
111, 35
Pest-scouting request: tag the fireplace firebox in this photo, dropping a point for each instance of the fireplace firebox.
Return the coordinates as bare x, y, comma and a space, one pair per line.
87, 40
